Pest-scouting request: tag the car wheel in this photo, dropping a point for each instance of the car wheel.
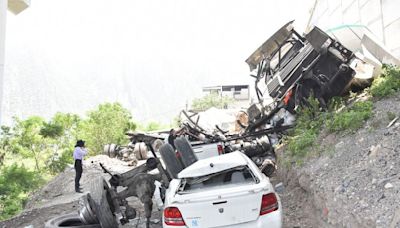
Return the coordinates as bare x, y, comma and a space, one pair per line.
99, 203
186, 151
69, 221
171, 162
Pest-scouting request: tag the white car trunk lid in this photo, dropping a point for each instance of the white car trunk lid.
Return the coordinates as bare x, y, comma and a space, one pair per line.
221, 208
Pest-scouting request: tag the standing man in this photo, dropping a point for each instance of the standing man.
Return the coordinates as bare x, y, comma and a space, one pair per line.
79, 152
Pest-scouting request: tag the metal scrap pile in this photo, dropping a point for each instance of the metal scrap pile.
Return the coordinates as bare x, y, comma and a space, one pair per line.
135, 150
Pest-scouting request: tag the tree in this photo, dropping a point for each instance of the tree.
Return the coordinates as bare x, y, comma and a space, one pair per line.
107, 124
5, 141
28, 141
153, 126
61, 134
211, 100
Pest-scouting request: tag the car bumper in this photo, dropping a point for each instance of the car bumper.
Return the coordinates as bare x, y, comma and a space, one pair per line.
271, 220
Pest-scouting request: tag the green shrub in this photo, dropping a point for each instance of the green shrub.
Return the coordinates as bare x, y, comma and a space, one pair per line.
388, 83
211, 100
299, 144
311, 121
59, 161
308, 125
15, 184
350, 118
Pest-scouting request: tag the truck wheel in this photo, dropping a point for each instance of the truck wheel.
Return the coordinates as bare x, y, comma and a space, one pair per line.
98, 202
185, 150
70, 221
157, 144
140, 151
110, 150
171, 162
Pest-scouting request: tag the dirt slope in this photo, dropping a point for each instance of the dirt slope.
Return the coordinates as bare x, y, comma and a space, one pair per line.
354, 183
58, 196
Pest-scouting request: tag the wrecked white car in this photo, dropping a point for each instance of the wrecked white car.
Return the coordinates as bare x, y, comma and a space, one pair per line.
224, 191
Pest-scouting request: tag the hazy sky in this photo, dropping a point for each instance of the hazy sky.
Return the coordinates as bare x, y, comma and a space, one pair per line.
153, 56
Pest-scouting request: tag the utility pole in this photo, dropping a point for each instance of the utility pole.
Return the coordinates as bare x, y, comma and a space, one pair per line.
15, 6
3, 14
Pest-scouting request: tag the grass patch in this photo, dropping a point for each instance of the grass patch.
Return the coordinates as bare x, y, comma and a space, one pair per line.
386, 84
351, 118
308, 125
311, 121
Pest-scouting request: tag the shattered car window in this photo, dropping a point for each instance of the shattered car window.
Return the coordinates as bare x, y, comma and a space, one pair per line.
234, 176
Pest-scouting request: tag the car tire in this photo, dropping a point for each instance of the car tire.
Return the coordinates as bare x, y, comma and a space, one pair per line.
98, 201
185, 151
172, 164
69, 221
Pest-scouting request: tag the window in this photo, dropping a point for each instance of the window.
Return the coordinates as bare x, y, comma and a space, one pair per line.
234, 176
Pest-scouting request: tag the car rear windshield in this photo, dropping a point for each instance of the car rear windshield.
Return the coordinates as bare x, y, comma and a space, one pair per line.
235, 176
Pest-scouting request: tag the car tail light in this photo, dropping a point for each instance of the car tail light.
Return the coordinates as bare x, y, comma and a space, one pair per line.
269, 203
173, 217
220, 149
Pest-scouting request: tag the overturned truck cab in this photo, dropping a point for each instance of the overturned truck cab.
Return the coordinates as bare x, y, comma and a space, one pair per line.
293, 67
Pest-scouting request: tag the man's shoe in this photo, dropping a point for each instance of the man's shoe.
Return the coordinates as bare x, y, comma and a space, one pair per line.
78, 191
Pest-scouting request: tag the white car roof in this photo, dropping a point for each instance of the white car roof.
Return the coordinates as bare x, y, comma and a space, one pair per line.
214, 165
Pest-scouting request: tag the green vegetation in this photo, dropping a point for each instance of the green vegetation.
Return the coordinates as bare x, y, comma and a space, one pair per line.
211, 100
351, 118
339, 117
153, 126
388, 83
44, 148
308, 125
15, 183
311, 121
106, 124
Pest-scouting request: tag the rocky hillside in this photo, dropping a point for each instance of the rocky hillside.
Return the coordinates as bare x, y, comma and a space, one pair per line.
354, 182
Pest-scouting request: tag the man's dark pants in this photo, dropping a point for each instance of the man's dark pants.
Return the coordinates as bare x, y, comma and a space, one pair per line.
78, 171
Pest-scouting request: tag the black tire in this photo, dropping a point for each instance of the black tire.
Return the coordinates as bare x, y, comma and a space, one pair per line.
171, 162
69, 221
99, 203
185, 151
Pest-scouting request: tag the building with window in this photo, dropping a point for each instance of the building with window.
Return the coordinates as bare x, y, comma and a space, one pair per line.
239, 93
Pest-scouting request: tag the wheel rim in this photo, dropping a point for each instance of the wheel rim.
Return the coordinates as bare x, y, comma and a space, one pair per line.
86, 213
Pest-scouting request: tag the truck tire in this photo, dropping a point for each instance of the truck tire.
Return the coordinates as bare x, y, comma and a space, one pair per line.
110, 150
171, 162
140, 151
185, 151
69, 221
98, 202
